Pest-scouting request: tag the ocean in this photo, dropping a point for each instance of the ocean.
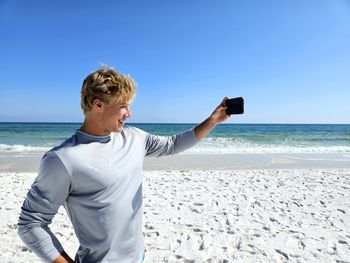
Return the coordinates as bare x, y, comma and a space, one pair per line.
36, 138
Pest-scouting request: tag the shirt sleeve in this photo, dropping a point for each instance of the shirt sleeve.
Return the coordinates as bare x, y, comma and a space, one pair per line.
48, 192
168, 145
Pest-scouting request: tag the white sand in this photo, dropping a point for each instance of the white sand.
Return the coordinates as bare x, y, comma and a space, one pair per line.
291, 215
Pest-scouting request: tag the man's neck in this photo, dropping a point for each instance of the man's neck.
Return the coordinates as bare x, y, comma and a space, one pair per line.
93, 129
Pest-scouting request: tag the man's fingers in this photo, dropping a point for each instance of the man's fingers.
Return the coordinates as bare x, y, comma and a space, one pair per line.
224, 100
222, 108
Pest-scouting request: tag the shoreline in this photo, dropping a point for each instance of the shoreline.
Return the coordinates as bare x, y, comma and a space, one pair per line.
31, 162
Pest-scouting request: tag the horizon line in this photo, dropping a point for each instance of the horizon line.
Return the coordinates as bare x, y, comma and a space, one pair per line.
180, 123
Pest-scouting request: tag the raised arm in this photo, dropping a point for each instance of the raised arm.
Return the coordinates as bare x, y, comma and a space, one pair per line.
167, 145
48, 192
219, 115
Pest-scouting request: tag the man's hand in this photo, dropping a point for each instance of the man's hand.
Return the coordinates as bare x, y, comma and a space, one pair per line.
219, 115
63, 258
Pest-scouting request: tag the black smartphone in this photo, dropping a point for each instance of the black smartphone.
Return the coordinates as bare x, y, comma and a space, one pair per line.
235, 106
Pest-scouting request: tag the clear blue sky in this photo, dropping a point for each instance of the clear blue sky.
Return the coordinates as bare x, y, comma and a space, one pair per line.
290, 60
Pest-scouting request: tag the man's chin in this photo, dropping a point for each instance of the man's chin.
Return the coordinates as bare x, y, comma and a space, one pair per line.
119, 129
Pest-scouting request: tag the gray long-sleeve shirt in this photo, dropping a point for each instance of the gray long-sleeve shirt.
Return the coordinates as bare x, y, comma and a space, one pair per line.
98, 180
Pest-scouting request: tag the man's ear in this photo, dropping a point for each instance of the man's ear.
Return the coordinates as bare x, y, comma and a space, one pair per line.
97, 104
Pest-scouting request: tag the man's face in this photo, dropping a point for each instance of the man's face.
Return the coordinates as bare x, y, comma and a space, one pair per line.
114, 115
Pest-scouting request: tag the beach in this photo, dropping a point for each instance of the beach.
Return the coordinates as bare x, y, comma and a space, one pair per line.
217, 208
252, 95
246, 193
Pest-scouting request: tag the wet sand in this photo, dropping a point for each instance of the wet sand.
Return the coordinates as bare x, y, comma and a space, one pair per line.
30, 163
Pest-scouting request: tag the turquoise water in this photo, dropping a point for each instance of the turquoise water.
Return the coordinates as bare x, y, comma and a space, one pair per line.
226, 138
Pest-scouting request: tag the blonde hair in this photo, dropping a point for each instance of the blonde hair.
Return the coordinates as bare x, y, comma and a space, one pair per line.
106, 84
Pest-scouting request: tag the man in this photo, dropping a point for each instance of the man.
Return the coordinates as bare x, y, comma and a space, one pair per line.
97, 176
